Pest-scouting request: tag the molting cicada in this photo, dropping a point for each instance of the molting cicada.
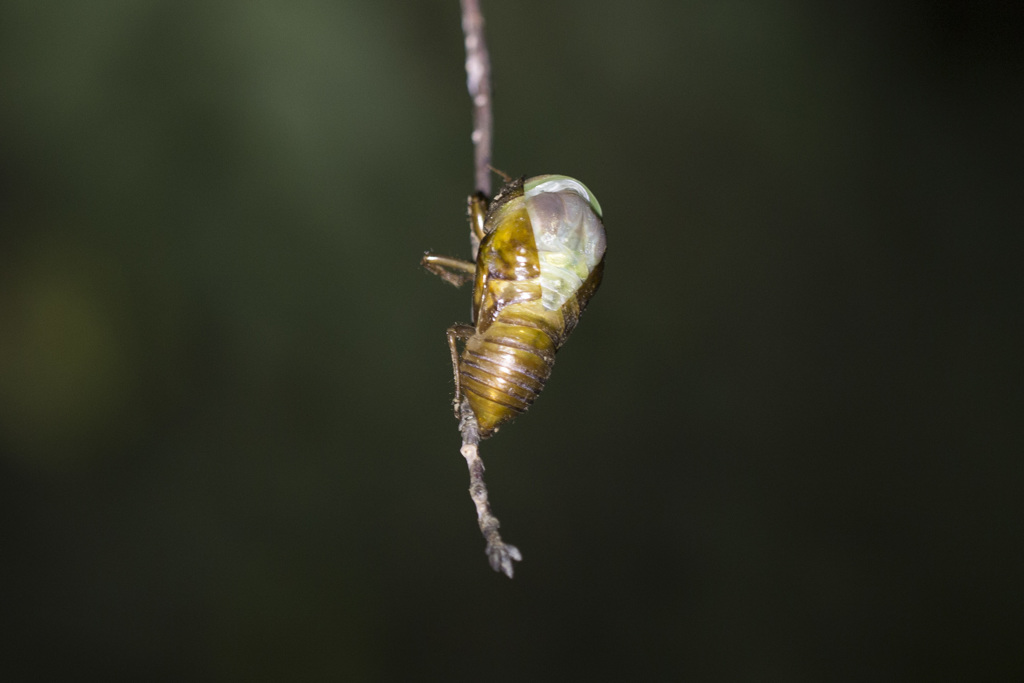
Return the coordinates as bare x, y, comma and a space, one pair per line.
539, 259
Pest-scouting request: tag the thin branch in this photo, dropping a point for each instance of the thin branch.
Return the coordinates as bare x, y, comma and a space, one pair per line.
499, 553
478, 80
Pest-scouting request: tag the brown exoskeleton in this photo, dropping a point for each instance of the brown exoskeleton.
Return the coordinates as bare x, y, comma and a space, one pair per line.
540, 259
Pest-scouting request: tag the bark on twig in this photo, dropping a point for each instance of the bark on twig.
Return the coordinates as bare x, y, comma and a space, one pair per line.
478, 80
499, 553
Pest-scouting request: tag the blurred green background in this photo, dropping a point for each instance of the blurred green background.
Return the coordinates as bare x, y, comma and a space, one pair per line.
784, 443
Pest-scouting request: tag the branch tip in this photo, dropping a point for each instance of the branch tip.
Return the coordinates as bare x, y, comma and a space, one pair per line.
499, 554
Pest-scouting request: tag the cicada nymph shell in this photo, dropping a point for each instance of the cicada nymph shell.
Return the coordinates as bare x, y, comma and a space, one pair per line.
540, 260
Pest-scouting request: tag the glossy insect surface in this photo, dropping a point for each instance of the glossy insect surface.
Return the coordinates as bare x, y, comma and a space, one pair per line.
540, 259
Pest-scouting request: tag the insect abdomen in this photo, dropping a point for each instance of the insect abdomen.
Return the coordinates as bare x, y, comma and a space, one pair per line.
504, 368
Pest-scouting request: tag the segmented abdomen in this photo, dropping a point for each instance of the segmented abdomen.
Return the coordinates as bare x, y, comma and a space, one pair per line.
505, 367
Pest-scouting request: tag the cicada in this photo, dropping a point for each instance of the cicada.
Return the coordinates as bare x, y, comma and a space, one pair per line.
539, 260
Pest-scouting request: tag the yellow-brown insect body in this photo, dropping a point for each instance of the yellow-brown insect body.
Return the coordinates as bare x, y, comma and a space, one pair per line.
538, 265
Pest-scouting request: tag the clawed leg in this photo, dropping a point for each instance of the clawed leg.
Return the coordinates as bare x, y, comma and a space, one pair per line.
452, 270
456, 332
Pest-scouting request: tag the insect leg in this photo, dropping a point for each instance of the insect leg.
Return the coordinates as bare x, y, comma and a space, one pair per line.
456, 332
477, 218
452, 270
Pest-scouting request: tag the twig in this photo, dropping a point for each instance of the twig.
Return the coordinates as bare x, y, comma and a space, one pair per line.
499, 553
478, 80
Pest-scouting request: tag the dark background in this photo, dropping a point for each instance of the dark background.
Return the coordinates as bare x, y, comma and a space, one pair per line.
784, 443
